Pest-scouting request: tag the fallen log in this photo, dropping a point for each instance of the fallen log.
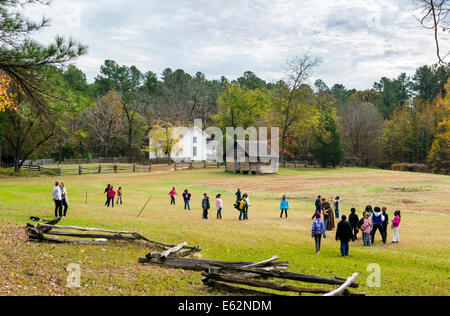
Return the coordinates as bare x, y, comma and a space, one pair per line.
167, 253
294, 276
262, 284
195, 264
343, 288
262, 263
222, 286
95, 236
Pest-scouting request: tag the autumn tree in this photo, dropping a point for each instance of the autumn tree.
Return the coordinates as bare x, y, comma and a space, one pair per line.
240, 107
289, 101
104, 120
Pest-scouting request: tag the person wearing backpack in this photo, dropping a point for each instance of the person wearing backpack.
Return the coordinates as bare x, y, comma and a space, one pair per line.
377, 224
205, 206
242, 204
284, 206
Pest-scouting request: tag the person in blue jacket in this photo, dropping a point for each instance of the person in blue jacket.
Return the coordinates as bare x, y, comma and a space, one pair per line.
284, 206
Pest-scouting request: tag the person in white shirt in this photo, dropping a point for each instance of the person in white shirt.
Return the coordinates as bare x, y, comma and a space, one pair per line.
246, 207
64, 198
56, 195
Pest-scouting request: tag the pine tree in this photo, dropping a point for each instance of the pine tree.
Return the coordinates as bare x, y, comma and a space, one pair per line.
26, 61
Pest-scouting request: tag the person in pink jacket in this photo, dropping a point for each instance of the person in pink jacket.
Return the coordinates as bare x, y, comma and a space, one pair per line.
172, 194
396, 226
111, 196
366, 228
219, 204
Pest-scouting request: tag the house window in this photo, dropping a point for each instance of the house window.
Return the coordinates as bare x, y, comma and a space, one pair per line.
194, 152
195, 140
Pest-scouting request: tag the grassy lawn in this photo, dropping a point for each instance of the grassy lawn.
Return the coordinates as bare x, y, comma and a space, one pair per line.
419, 265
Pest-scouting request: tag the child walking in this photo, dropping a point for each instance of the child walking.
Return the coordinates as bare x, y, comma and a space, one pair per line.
172, 194
284, 206
318, 229
344, 234
366, 228
396, 226
205, 206
219, 204
119, 195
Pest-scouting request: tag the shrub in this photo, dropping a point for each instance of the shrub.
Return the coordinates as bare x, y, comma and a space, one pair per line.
411, 167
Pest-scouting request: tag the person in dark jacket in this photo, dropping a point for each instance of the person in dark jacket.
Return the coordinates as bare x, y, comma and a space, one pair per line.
318, 204
353, 219
238, 195
205, 206
385, 222
344, 234
377, 220
187, 198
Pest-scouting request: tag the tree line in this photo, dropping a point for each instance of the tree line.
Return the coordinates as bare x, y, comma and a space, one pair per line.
49, 109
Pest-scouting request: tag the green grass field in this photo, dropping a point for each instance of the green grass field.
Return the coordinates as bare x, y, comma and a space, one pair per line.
419, 265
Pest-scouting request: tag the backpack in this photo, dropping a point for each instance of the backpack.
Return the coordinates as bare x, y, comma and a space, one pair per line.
361, 223
236, 205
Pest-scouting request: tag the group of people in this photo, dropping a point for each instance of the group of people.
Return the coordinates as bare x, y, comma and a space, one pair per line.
242, 203
373, 220
61, 199
111, 195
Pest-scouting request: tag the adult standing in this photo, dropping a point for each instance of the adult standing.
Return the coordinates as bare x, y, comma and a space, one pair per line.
205, 206
111, 196
187, 199
318, 204
377, 224
56, 195
328, 214
344, 234
318, 230
64, 199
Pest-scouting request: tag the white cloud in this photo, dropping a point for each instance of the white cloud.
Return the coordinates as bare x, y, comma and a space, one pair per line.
358, 40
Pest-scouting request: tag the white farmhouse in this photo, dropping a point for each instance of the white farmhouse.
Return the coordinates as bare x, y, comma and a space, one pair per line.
191, 147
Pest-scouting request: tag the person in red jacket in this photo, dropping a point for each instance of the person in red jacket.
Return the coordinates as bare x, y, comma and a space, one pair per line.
111, 196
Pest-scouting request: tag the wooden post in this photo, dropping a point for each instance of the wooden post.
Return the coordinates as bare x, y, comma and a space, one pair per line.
204, 164
134, 167
150, 167
218, 164
295, 164
60, 171
115, 168
175, 166
190, 165
285, 164
80, 170
99, 168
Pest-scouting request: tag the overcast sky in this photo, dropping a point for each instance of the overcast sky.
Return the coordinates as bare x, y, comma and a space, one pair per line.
359, 41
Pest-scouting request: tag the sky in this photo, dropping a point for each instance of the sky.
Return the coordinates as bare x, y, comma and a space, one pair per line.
359, 41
